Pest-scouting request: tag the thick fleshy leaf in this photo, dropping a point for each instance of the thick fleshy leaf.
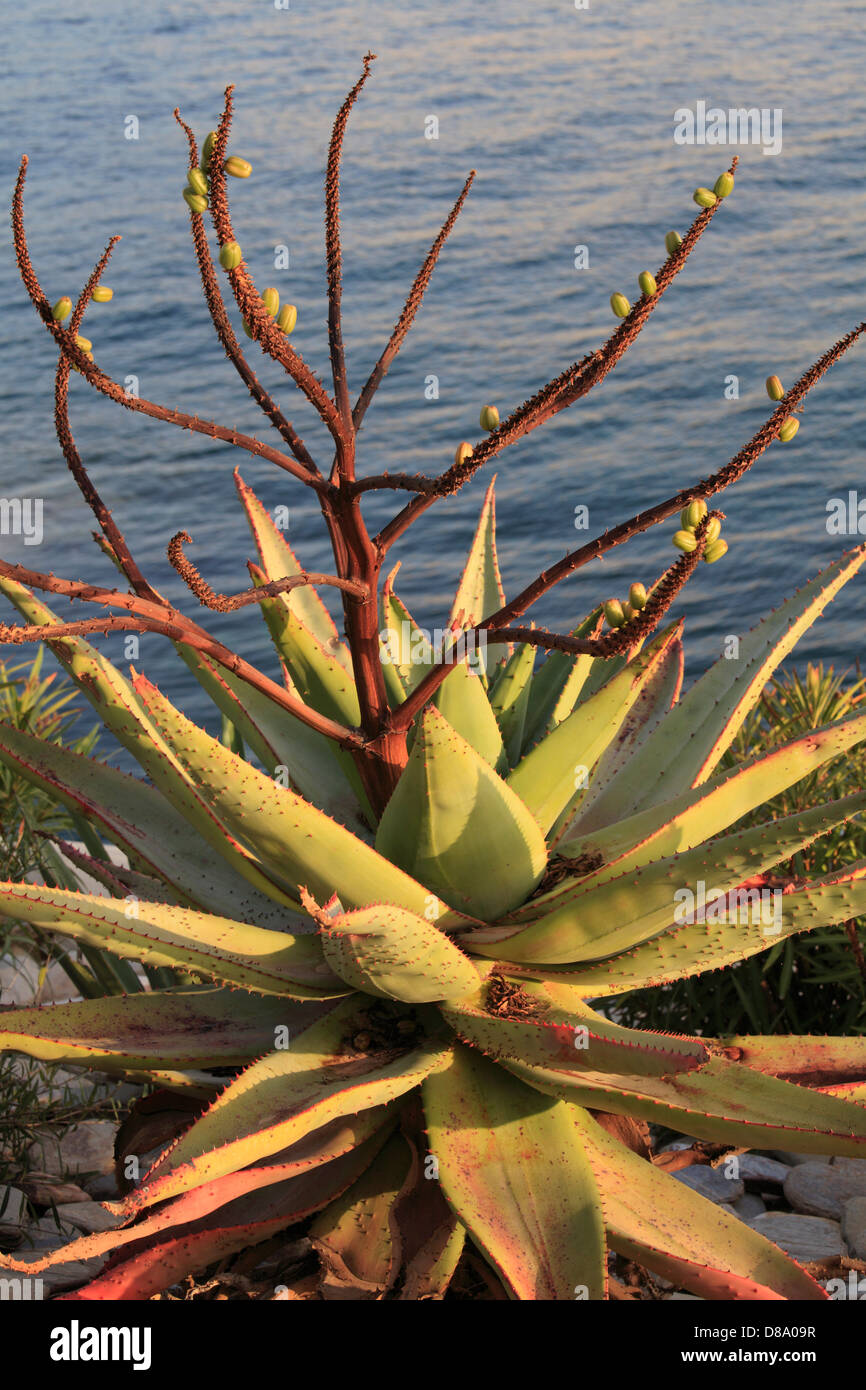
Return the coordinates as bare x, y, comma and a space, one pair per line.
574, 1038
687, 746
671, 1229
480, 590
601, 805
517, 1177
462, 700
149, 1265
321, 679
722, 1101
405, 649
547, 778
509, 699
811, 1061
557, 685
315, 765
600, 920
395, 954
702, 812
360, 1134
755, 923
457, 827
278, 561
173, 1028
355, 1236
286, 1096
293, 842
140, 820
232, 953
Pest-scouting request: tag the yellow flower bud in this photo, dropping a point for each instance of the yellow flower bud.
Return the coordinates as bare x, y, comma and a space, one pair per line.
247, 329
612, 609
647, 283
237, 167
713, 531
715, 551
685, 541
464, 452
207, 150
628, 612
789, 429
620, 305
489, 417
775, 389
693, 513
673, 240
84, 343
271, 301
197, 182
724, 185
194, 200
230, 255
287, 318
637, 596
704, 197
62, 309
102, 294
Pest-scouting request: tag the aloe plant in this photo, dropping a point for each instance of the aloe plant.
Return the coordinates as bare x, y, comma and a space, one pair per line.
398, 915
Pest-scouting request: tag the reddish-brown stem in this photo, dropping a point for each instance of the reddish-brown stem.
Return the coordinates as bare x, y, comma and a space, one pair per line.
110, 530
249, 301
146, 616
225, 333
407, 316
225, 603
615, 642
557, 395
334, 259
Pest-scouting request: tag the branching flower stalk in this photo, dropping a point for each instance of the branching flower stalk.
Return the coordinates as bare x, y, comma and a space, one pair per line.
379, 742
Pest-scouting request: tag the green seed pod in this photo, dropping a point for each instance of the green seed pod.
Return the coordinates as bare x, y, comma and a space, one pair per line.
287, 318
194, 200
207, 150
247, 329
612, 609
685, 540
789, 429
271, 301
713, 531
620, 305
489, 417
62, 309
724, 185
463, 452
704, 197
628, 612
673, 240
84, 343
230, 255
237, 167
102, 294
637, 596
197, 182
694, 513
647, 283
775, 389
715, 551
